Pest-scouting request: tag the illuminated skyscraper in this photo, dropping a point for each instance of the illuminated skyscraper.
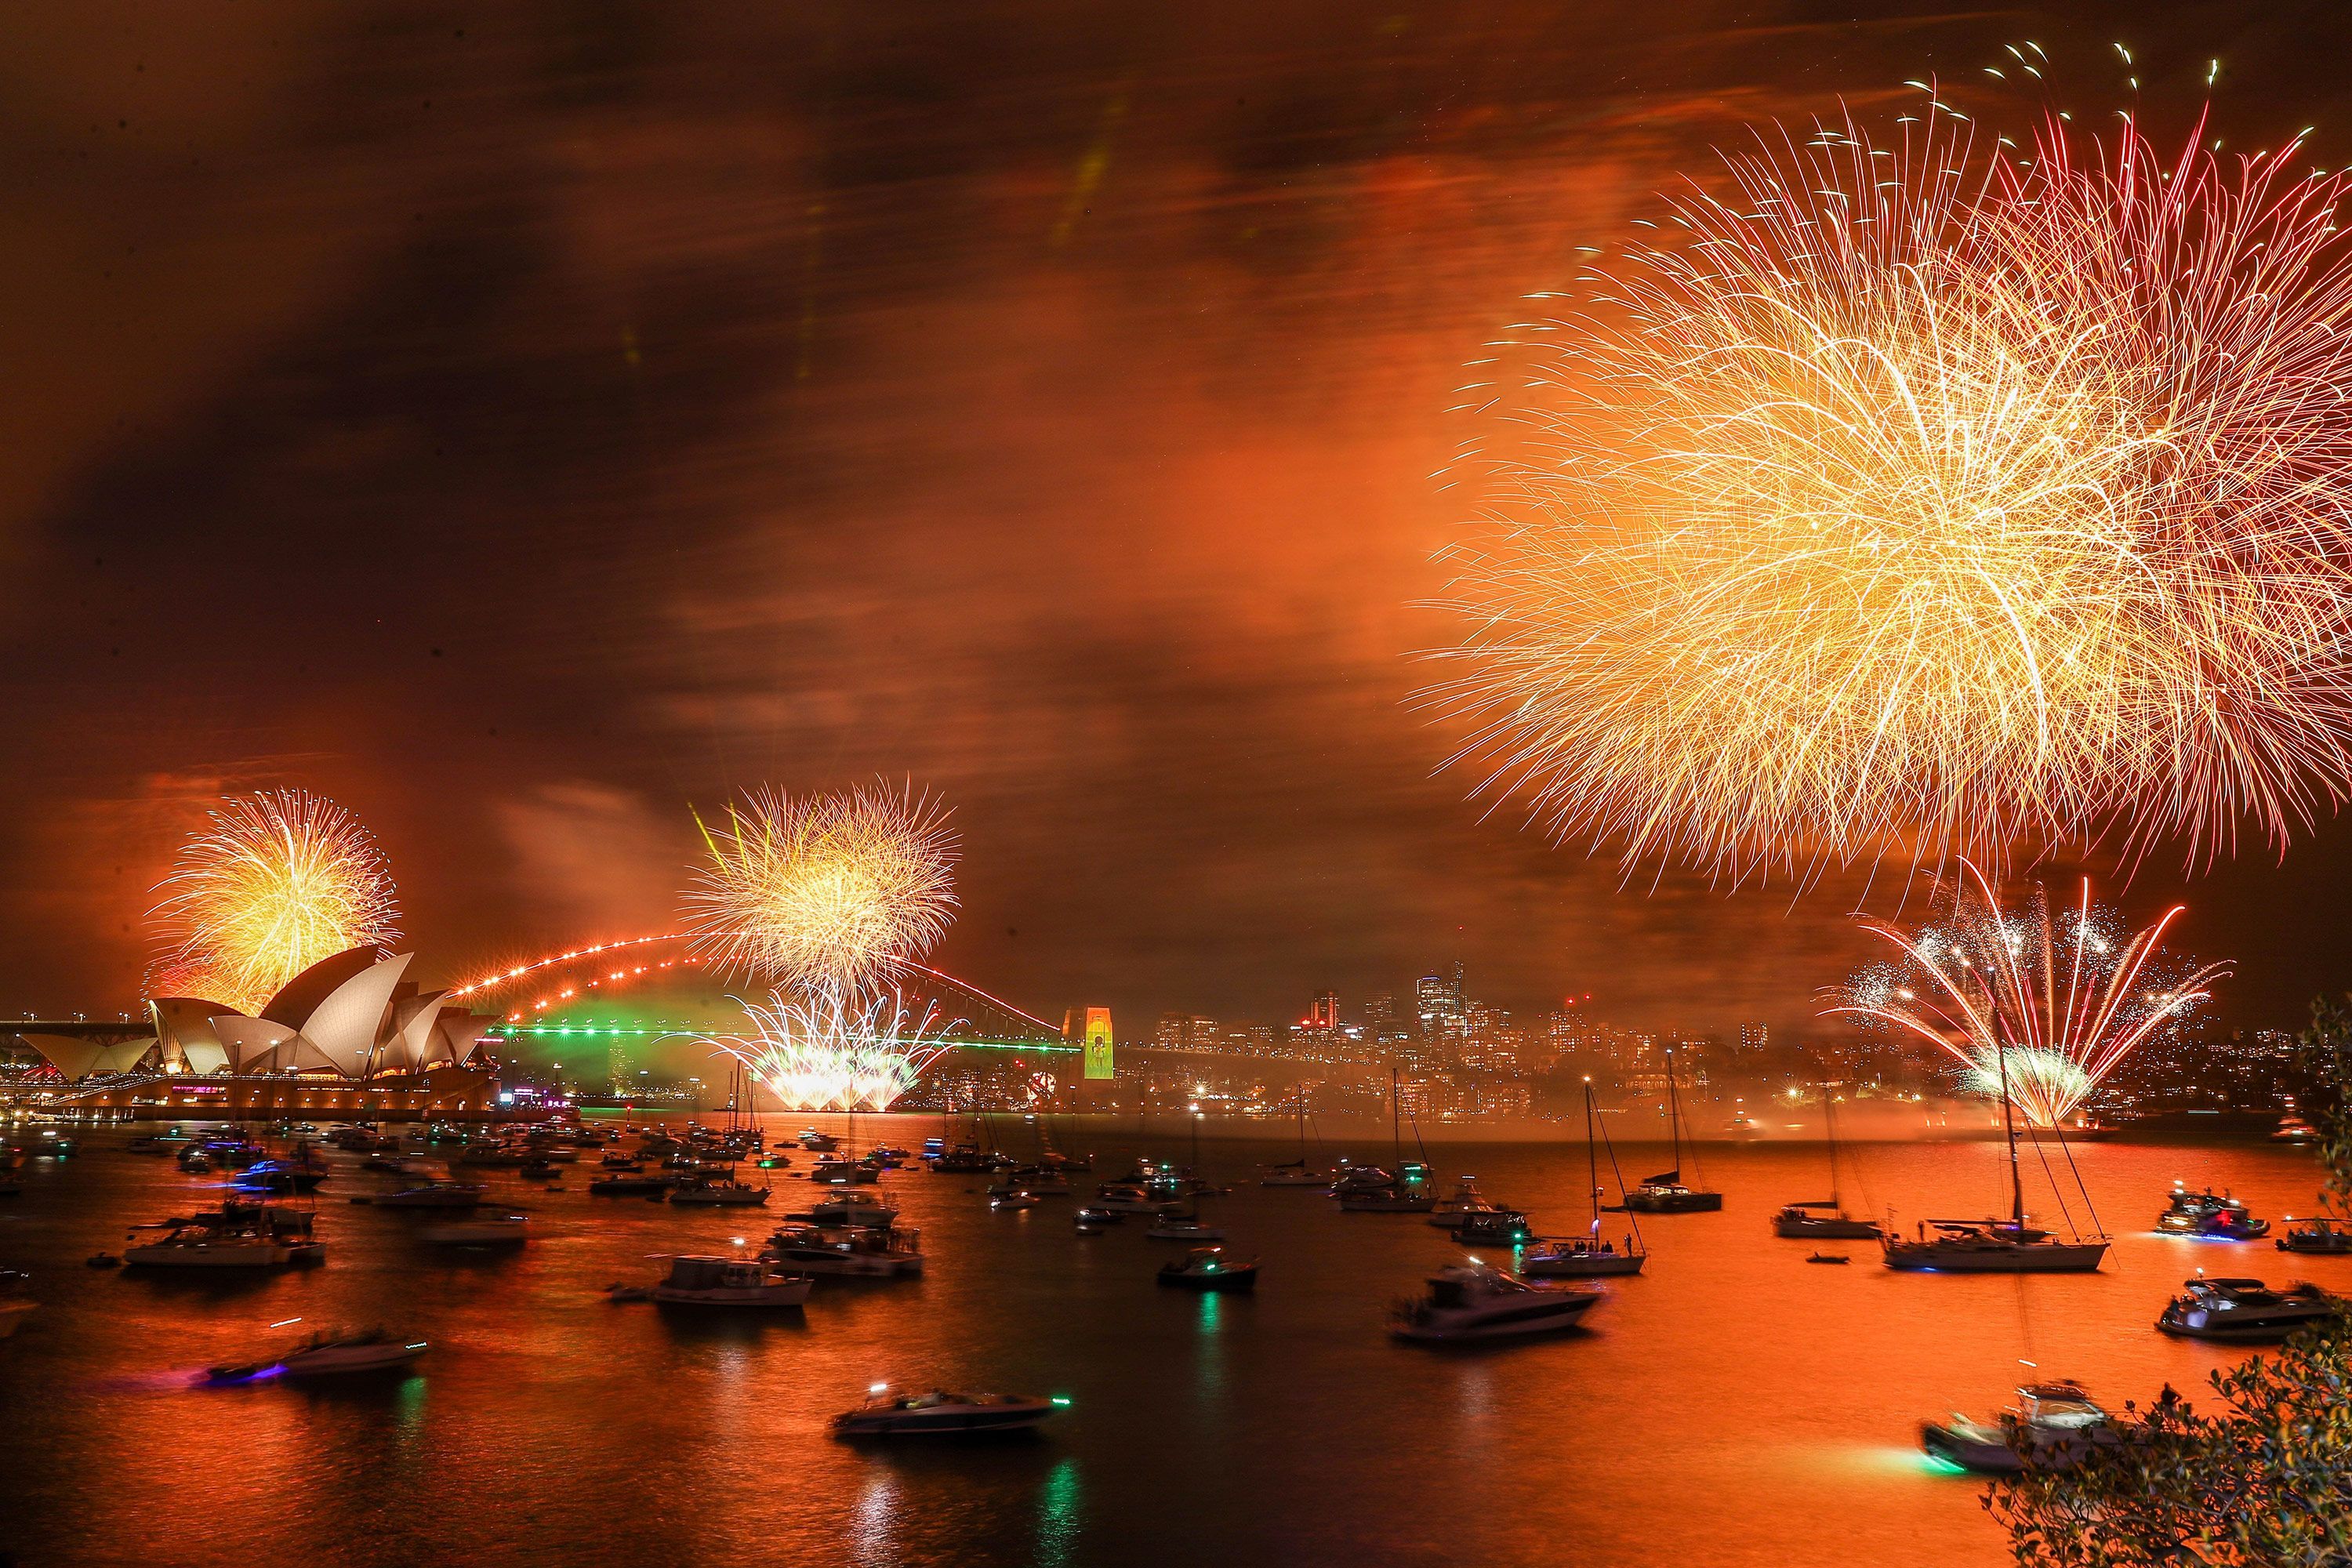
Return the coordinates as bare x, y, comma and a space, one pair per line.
1324, 1014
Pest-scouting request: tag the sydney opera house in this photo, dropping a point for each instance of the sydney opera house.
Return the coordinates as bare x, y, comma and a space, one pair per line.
350, 1036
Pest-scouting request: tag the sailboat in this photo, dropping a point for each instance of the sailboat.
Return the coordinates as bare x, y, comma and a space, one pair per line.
1996, 1247
1825, 1218
1587, 1256
1296, 1172
1665, 1192
1381, 1192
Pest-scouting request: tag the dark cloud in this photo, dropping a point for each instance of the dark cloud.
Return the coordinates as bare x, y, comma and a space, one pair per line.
521, 424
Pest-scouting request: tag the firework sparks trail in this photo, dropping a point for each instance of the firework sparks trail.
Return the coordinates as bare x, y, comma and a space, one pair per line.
820, 1050
824, 891
1939, 494
2053, 1007
275, 883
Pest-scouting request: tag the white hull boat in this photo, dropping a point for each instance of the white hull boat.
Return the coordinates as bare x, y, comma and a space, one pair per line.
1473, 1303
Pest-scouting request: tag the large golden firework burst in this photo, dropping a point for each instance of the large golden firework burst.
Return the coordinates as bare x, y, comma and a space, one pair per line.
824, 891
1936, 495
274, 883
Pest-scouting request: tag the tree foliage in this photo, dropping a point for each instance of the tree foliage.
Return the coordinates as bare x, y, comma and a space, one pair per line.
2262, 1476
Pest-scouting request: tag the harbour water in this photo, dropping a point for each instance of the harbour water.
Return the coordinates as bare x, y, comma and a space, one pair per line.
1734, 1405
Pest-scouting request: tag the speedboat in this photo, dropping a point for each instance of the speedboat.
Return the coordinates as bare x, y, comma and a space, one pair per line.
1989, 1247
1172, 1228
434, 1195
328, 1355
1021, 1199
1208, 1269
477, 1230
722, 1193
1095, 1217
1472, 1301
863, 1254
2243, 1311
2216, 1215
1579, 1258
730, 1282
1807, 1221
2319, 1235
2053, 1426
938, 1413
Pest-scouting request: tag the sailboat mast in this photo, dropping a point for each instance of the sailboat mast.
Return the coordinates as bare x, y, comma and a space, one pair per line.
1396, 1128
1591, 1160
2009, 1131
1674, 1114
1829, 1122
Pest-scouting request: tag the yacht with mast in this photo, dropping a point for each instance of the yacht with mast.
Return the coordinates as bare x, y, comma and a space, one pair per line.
1588, 1257
1301, 1172
1997, 1246
1825, 1218
1665, 1192
1374, 1191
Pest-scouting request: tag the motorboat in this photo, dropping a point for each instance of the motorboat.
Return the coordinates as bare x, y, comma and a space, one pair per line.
844, 1173
2243, 1311
1099, 1216
1989, 1247
964, 1159
2215, 1215
730, 1282
1465, 1198
621, 1162
2316, 1235
938, 1413
432, 1195
196, 1160
329, 1354
862, 1254
633, 1187
1021, 1199
2292, 1127
1030, 1179
2054, 1426
1824, 1219
1741, 1127
206, 1247
1472, 1301
1208, 1269
1120, 1198
848, 1211
816, 1142
726, 1194
1492, 1227
477, 1230
1581, 1257
1369, 1189
1173, 1227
